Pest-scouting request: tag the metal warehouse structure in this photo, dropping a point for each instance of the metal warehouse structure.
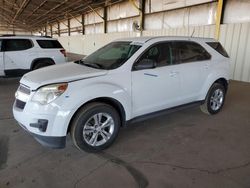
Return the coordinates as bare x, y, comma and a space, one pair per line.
83, 26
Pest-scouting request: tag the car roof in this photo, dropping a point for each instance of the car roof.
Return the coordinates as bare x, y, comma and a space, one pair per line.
25, 37
143, 40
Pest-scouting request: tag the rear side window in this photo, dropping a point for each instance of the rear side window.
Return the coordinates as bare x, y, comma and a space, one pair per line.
49, 44
184, 52
17, 44
218, 47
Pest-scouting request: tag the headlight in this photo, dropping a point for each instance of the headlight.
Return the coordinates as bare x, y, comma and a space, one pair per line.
47, 94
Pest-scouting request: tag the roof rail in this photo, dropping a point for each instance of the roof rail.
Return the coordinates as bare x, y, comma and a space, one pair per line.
7, 35
13, 35
46, 36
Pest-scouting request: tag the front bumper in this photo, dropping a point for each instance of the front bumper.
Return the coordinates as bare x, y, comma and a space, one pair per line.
56, 142
48, 129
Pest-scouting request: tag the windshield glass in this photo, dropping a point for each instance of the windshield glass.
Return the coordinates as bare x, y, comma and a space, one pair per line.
111, 56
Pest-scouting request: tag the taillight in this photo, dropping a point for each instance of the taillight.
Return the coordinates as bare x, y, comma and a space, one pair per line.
63, 52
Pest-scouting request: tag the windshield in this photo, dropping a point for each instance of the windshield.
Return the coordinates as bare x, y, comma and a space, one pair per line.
111, 56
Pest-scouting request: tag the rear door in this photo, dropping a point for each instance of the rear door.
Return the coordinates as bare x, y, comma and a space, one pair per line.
194, 63
16, 54
53, 49
1, 60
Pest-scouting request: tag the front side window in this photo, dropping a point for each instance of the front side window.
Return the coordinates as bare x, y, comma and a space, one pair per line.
185, 51
17, 44
156, 56
110, 56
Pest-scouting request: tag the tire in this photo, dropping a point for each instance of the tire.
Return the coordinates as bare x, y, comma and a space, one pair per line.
214, 100
88, 130
41, 65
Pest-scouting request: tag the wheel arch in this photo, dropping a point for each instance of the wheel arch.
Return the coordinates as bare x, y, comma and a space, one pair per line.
107, 100
42, 59
222, 81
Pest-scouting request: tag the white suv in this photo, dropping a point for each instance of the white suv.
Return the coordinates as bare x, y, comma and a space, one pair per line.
124, 80
20, 54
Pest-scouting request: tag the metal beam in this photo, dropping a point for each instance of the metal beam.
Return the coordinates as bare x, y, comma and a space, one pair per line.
34, 23
20, 10
75, 18
102, 17
38, 7
55, 7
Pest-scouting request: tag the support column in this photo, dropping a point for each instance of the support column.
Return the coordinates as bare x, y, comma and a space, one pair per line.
45, 29
83, 26
142, 14
68, 27
51, 31
58, 29
219, 18
105, 13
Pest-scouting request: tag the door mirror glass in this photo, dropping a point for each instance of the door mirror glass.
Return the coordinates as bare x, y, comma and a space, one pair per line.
145, 64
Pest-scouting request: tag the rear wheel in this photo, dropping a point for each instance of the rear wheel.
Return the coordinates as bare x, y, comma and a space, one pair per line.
95, 127
214, 100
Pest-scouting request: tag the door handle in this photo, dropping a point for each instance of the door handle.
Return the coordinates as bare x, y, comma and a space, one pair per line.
206, 66
173, 73
149, 74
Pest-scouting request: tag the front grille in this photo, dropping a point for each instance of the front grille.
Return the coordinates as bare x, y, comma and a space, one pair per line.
20, 104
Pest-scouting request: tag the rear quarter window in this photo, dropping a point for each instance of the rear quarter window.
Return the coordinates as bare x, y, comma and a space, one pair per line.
49, 44
218, 47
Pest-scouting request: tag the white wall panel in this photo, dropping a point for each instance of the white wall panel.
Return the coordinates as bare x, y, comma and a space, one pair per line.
75, 22
237, 11
63, 24
192, 16
93, 17
234, 37
94, 28
122, 10
122, 25
161, 5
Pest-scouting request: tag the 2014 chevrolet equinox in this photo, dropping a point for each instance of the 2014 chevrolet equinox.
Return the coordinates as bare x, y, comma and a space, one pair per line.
125, 79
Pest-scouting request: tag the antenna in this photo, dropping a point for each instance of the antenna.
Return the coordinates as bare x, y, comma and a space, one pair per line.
193, 33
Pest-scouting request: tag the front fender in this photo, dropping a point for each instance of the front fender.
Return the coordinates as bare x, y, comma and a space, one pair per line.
79, 97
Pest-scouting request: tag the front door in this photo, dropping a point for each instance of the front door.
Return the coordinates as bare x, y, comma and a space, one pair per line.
155, 88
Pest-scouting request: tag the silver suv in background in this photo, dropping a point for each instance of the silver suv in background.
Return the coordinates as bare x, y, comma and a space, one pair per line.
20, 54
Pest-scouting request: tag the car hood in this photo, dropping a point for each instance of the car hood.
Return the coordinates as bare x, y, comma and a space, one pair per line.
59, 73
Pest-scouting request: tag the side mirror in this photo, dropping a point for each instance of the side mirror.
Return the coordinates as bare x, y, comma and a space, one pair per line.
145, 64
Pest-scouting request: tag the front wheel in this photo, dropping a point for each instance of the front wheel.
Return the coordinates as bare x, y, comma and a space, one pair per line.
95, 127
214, 100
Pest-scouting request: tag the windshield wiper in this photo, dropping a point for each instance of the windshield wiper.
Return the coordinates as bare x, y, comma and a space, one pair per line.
93, 65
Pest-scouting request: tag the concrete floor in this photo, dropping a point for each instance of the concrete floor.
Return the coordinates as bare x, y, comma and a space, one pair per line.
182, 149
